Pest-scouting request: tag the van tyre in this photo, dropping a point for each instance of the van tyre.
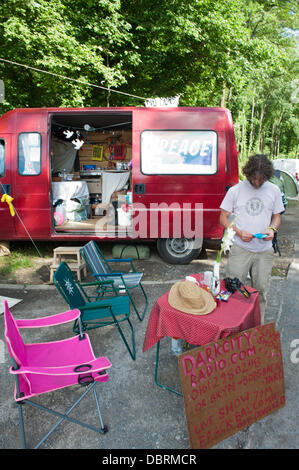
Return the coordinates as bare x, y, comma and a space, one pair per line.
178, 250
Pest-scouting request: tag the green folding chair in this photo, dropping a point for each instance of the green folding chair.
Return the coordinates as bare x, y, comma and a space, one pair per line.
94, 313
100, 268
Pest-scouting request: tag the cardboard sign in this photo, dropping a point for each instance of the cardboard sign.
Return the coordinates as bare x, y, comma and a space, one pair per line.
230, 384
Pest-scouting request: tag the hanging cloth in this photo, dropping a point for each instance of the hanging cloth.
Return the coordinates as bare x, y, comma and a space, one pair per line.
112, 182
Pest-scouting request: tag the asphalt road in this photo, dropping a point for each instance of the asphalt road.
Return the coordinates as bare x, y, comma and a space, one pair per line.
139, 414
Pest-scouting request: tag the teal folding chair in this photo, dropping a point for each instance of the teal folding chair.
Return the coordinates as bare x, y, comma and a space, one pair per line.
94, 313
100, 268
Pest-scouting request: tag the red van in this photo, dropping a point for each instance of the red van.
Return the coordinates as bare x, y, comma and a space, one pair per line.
154, 174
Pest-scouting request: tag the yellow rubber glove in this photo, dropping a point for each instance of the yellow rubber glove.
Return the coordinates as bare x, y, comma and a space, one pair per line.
8, 199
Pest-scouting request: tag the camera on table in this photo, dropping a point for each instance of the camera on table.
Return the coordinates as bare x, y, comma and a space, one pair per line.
234, 284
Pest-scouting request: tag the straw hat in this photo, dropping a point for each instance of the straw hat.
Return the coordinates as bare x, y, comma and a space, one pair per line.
187, 297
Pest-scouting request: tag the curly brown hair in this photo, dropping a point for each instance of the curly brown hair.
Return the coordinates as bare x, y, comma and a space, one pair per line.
258, 164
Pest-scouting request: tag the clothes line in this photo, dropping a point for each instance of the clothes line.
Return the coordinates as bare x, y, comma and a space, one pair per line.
72, 79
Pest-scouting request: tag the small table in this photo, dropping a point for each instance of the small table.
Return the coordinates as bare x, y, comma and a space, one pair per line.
77, 265
238, 314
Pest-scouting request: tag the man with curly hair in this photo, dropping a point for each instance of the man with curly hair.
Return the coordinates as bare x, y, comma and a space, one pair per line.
257, 204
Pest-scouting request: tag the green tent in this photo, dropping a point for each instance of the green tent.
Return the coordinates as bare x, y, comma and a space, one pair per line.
285, 182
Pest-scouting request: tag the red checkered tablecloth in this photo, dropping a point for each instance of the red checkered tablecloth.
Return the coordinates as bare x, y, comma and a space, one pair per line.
238, 314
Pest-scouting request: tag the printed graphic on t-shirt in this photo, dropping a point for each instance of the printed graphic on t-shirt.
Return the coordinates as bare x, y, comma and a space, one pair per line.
254, 206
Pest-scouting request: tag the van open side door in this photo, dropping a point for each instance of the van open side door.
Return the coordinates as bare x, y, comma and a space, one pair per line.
31, 182
7, 220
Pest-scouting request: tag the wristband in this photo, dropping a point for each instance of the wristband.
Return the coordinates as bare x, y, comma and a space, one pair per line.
272, 228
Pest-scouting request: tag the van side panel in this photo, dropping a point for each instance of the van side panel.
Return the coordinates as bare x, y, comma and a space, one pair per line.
232, 173
31, 191
207, 190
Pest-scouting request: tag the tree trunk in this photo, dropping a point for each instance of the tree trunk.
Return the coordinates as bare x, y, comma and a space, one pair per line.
251, 138
223, 97
108, 86
237, 133
261, 132
230, 94
108, 98
243, 137
277, 137
262, 141
272, 144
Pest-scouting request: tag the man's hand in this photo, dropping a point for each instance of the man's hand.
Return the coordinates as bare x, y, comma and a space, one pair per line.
245, 236
275, 222
270, 234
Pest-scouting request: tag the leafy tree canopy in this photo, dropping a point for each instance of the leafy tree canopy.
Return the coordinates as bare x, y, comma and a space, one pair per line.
242, 54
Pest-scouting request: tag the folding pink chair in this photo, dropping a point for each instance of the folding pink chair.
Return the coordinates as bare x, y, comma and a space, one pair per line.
43, 367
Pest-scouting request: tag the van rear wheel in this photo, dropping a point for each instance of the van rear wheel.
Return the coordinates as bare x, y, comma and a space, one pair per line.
179, 250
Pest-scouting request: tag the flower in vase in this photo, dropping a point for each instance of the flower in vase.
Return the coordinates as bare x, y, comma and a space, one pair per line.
227, 240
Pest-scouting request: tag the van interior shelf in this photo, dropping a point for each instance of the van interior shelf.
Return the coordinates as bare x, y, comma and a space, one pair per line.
95, 161
90, 172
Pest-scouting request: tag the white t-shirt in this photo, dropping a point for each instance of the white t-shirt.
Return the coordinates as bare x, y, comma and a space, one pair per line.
254, 209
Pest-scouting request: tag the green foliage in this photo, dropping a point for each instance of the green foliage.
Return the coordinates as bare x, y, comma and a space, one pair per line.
265, 109
15, 261
88, 41
239, 54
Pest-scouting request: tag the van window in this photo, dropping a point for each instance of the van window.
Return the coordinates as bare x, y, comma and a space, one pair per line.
29, 153
178, 152
2, 158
